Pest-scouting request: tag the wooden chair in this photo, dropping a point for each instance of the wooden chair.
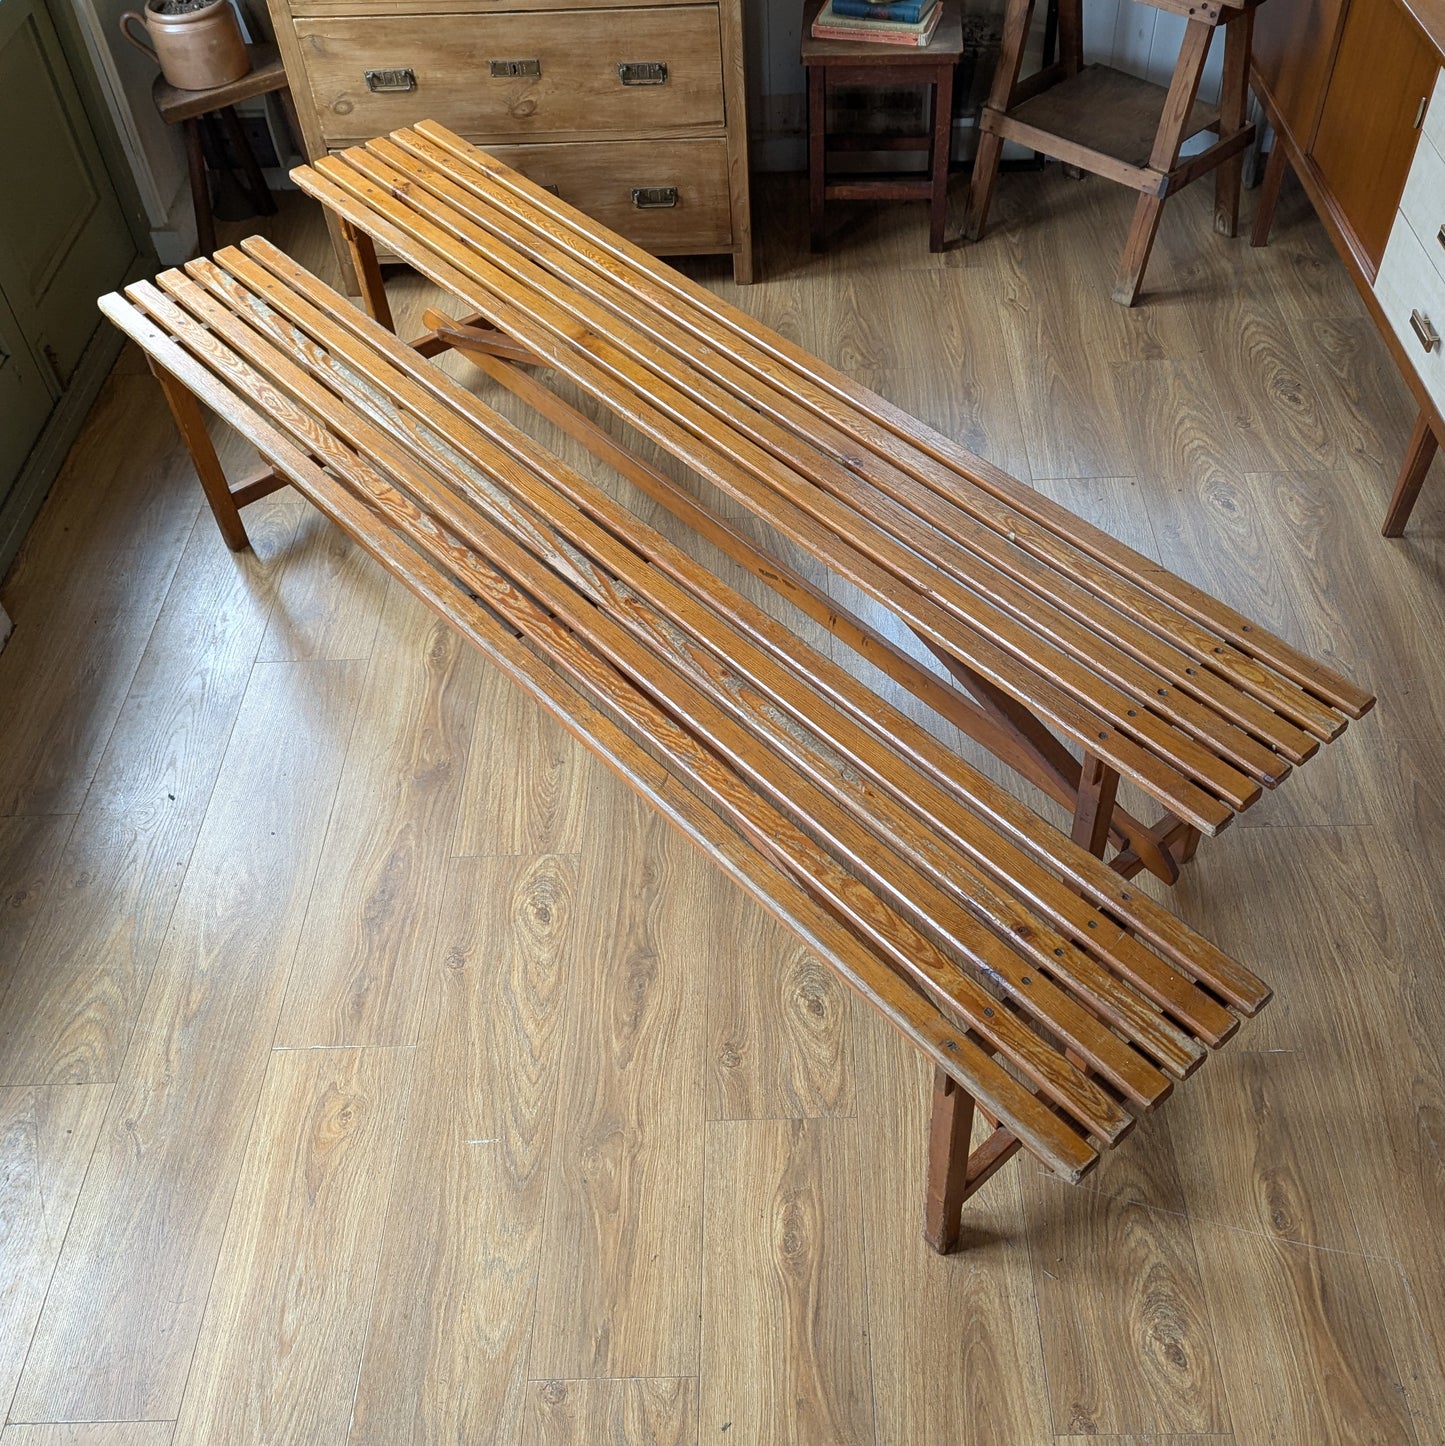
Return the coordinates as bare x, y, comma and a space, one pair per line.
1119, 126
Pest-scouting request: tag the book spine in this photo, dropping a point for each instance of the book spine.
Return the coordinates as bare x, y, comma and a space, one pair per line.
906, 12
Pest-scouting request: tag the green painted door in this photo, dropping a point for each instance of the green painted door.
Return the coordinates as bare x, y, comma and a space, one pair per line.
25, 399
63, 235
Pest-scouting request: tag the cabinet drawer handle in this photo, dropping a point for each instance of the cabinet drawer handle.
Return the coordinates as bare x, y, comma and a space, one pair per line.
508, 69
1440, 235
654, 198
1420, 325
643, 72
388, 80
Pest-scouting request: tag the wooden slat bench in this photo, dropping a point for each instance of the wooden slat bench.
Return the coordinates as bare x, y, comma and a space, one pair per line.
1047, 991
1058, 633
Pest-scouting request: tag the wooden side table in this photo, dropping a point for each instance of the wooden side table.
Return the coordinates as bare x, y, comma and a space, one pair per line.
847, 62
187, 107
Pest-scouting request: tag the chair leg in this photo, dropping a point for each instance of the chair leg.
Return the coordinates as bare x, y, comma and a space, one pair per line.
1418, 456
200, 188
1233, 115
261, 197
1016, 22
817, 151
942, 146
1071, 35
1173, 122
1140, 242
1274, 170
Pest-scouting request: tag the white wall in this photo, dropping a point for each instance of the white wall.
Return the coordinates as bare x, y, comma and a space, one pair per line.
1133, 37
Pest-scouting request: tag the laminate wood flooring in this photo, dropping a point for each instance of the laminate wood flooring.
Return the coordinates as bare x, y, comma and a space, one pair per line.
375, 1071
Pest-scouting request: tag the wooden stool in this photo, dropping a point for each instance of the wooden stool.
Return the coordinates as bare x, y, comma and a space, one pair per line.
847, 62
187, 107
1118, 126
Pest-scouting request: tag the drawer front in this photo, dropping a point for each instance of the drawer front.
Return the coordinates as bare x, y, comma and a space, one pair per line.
669, 197
1408, 285
599, 177
1423, 204
517, 76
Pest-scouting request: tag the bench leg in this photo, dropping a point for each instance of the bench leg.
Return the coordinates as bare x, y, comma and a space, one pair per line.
192, 427
368, 275
1094, 811
953, 1173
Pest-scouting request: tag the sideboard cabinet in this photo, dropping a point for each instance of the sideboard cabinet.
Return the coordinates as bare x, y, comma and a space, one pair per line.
1348, 86
633, 113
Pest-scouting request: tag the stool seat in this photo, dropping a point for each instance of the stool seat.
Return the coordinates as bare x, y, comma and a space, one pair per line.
854, 62
187, 108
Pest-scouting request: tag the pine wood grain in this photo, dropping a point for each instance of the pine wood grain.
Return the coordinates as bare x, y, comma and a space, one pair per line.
120, 1323
77, 986
281, 1340
625, 1191
372, 918
784, 1307
780, 1023
635, 1412
46, 1139
464, 1228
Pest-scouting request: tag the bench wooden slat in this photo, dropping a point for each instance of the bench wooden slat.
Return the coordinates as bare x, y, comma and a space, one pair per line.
1152, 774
865, 520
646, 564
1019, 1110
350, 336
442, 528
756, 383
692, 301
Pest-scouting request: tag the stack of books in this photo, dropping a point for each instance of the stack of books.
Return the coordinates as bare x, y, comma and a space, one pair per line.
901, 22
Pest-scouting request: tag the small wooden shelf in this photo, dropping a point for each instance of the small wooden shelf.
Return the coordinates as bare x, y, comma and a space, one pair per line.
1105, 110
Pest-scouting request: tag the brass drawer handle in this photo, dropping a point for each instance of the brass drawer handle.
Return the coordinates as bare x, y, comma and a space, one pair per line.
1420, 325
508, 69
654, 198
389, 80
643, 72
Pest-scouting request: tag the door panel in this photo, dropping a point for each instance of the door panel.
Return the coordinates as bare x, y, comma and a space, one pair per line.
63, 235
25, 400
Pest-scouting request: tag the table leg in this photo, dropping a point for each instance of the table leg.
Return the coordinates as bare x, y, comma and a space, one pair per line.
817, 151
261, 198
200, 188
942, 147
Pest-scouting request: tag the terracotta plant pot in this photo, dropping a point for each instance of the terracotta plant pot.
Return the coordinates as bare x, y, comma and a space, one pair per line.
195, 50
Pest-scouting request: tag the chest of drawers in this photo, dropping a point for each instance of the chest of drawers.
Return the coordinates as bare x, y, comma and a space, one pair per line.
633, 113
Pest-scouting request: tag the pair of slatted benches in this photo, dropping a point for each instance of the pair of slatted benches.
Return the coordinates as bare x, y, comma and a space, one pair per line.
1049, 993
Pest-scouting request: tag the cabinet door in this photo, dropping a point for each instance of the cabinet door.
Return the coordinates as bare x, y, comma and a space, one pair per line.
63, 236
1383, 73
1294, 42
25, 400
